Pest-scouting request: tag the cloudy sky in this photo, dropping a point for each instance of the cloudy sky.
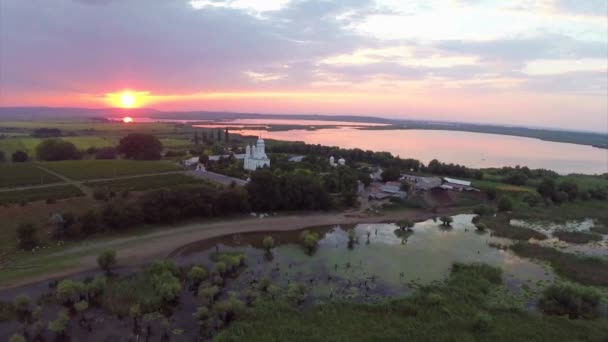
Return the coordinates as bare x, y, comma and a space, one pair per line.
533, 62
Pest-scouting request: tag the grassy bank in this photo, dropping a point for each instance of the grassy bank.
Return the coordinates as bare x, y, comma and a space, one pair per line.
466, 308
585, 270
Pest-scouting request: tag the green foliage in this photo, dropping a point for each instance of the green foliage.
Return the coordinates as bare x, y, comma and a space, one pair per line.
500, 226
484, 210
166, 285
533, 199
268, 243
22, 304
17, 338
202, 313
69, 291
505, 204
481, 227
96, 287
163, 266
19, 157
14, 175
296, 293
60, 324
208, 293
482, 322
221, 268
309, 240
57, 149
81, 306
121, 294
106, 260
391, 174
140, 146
27, 236
583, 269
572, 300
197, 274
229, 309
405, 224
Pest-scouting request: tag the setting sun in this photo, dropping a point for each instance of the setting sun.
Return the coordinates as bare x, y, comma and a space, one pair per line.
127, 119
127, 99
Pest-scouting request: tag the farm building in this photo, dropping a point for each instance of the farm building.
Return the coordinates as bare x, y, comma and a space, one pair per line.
457, 184
423, 183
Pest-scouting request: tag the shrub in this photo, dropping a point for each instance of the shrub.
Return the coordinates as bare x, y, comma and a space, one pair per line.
296, 293
19, 157
481, 227
268, 243
483, 210
220, 268
572, 300
309, 240
22, 304
208, 293
166, 285
229, 309
197, 274
533, 199
17, 338
505, 204
141, 146
162, 266
405, 224
482, 322
106, 153
106, 260
69, 291
60, 324
202, 313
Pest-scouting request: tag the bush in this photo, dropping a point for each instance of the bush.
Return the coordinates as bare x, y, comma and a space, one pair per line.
166, 285
572, 300
482, 322
19, 157
505, 204
391, 174
483, 210
17, 338
22, 304
208, 293
106, 260
268, 243
60, 324
481, 227
533, 199
309, 240
296, 293
229, 309
69, 291
197, 274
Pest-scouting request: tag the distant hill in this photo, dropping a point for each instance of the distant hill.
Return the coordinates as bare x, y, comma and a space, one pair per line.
42, 113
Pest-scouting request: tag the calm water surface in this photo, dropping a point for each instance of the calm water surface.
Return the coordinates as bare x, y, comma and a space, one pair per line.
476, 150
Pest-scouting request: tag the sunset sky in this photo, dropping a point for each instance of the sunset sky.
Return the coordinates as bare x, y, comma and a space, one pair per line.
534, 62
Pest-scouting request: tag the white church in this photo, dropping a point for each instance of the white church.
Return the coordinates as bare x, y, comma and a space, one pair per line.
255, 156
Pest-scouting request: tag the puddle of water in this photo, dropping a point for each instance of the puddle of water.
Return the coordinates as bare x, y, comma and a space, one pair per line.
386, 266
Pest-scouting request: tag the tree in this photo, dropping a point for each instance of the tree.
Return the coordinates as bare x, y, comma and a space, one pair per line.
446, 220
166, 285
391, 174
505, 204
483, 210
140, 146
106, 153
89, 222
570, 187
516, 178
352, 238
27, 236
532, 199
546, 188
57, 149
481, 227
197, 139
106, 260
19, 157
268, 243
229, 309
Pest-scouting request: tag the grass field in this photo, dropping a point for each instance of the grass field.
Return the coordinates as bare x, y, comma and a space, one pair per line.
20, 174
146, 183
29, 144
53, 192
93, 169
88, 125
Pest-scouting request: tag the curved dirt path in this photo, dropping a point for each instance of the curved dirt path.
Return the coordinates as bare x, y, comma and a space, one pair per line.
142, 249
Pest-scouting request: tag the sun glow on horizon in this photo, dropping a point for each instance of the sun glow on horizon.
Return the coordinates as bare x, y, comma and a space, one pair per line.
127, 99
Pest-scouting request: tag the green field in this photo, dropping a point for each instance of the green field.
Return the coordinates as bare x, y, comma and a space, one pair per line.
20, 174
29, 144
87, 125
53, 192
93, 169
146, 183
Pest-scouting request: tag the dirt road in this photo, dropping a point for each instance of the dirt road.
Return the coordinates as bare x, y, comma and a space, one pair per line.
144, 248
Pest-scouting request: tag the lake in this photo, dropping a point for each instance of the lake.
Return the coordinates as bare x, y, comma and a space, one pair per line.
477, 150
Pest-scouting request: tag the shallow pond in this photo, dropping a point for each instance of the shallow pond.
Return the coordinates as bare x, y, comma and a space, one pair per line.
385, 266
